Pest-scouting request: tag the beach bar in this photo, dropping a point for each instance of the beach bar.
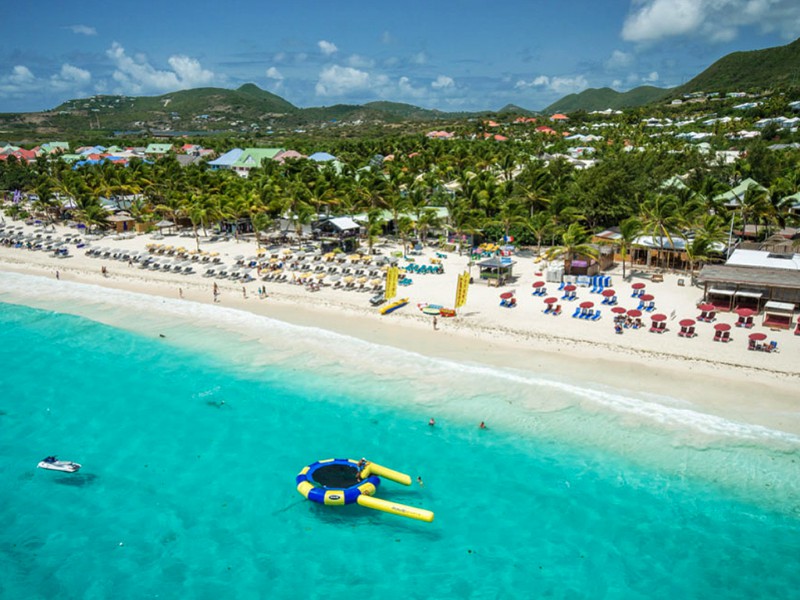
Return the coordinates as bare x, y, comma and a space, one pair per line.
497, 270
750, 279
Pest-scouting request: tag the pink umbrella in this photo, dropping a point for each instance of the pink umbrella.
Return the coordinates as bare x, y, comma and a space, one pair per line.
608, 293
507, 295
550, 300
707, 307
745, 312
659, 317
722, 327
646, 297
637, 286
758, 336
569, 288
587, 304
633, 313
538, 284
686, 322
618, 310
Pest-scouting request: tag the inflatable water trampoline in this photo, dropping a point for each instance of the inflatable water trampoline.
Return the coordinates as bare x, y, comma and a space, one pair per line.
340, 481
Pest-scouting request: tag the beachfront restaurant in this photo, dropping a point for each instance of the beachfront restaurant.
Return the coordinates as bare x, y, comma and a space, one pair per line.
497, 270
756, 280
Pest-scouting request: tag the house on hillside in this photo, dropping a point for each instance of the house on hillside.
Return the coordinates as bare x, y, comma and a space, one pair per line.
158, 150
252, 158
733, 198
55, 147
227, 160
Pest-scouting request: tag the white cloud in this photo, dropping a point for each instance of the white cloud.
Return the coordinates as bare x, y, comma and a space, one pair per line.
420, 58
360, 62
651, 77
273, 73
714, 20
70, 78
22, 82
135, 75
560, 85
442, 82
336, 81
386, 38
327, 48
408, 90
21, 75
82, 29
619, 60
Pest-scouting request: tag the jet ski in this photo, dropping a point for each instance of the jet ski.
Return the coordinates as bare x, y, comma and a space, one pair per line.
53, 464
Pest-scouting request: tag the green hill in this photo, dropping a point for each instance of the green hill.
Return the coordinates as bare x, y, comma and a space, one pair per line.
770, 68
603, 98
746, 71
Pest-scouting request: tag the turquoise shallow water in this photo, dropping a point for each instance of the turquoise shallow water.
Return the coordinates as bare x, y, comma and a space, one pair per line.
181, 496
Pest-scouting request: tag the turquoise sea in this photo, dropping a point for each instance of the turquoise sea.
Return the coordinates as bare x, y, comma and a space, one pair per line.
190, 444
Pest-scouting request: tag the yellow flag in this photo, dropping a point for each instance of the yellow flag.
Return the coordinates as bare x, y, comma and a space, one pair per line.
392, 275
461, 289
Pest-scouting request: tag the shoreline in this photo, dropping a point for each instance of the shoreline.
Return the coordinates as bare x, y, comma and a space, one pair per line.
761, 394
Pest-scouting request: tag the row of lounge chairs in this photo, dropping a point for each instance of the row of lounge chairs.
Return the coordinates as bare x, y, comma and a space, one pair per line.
587, 314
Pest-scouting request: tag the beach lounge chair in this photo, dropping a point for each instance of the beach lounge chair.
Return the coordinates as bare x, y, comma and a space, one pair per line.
548, 309
771, 347
557, 310
596, 315
577, 312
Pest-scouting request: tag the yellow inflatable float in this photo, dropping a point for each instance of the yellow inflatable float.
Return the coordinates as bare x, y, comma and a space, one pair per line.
339, 481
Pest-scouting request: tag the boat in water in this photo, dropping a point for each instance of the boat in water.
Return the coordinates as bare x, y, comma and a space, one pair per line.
53, 464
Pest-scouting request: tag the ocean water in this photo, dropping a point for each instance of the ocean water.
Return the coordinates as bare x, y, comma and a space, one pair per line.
190, 444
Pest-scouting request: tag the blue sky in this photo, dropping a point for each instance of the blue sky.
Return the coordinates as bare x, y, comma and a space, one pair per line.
454, 55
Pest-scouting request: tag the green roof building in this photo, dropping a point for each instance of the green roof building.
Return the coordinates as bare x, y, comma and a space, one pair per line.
252, 158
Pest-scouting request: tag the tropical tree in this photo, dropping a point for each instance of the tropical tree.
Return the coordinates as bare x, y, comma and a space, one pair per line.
629, 229
660, 220
574, 243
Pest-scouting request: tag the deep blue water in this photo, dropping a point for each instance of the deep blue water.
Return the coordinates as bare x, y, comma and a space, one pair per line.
182, 496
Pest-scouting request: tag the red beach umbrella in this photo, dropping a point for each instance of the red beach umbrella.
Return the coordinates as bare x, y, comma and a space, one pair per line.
608, 293
686, 322
569, 288
758, 336
646, 297
706, 307
550, 300
637, 286
633, 313
722, 327
507, 295
659, 317
587, 304
620, 310
745, 312
538, 284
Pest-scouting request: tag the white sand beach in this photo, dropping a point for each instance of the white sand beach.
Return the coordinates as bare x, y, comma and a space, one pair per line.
723, 379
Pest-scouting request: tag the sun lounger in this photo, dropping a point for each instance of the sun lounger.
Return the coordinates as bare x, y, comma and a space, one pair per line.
577, 313
596, 315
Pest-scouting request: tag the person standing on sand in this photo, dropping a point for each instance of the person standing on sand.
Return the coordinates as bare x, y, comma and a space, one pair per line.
58, 275
180, 292
435, 324
216, 292
244, 292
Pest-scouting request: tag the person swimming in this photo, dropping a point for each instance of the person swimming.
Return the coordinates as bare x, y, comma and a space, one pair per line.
432, 422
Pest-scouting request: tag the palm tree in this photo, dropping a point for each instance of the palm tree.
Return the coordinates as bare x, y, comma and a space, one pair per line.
659, 219
574, 242
629, 229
